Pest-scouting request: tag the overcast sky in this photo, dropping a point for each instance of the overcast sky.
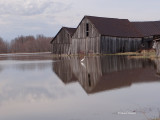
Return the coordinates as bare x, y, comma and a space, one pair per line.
32, 17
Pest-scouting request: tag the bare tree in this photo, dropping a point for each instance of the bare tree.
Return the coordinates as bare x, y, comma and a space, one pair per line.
30, 44
3, 46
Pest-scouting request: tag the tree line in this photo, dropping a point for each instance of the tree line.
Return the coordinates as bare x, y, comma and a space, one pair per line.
26, 44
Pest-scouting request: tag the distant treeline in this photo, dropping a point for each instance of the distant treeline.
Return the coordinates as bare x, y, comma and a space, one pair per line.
24, 44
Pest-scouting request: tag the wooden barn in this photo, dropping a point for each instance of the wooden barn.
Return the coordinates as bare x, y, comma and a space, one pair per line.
61, 43
99, 35
149, 31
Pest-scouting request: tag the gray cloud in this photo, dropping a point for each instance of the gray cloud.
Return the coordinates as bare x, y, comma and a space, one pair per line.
30, 7
31, 17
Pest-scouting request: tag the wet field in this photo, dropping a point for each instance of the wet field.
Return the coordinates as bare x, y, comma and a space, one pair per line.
41, 87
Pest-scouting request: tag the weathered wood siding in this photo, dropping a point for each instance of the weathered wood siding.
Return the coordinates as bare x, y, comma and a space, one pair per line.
147, 42
111, 45
62, 42
85, 44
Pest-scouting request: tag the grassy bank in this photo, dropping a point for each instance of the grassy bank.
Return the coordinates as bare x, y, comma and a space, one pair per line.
142, 54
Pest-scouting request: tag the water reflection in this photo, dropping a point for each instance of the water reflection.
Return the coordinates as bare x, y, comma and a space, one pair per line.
25, 61
97, 74
25, 65
30, 90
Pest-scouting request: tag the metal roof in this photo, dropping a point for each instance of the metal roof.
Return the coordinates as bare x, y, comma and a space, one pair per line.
148, 28
114, 27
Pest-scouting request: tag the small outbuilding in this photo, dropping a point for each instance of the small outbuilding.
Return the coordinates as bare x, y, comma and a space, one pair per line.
149, 30
61, 43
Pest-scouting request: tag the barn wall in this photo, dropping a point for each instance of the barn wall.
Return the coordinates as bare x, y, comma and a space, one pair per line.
147, 42
62, 43
83, 44
111, 45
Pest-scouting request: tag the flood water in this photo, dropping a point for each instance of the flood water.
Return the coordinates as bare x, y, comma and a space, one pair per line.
40, 87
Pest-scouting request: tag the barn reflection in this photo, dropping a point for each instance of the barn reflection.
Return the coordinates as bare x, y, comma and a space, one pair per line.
97, 74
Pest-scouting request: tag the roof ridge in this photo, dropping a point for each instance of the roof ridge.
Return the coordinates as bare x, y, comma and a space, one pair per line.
144, 21
105, 17
69, 30
148, 28
68, 27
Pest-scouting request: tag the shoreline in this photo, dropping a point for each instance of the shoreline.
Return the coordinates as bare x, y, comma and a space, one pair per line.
143, 54
136, 55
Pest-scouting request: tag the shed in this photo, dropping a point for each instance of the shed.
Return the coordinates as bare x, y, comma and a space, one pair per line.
61, 43
100, 35
150, 31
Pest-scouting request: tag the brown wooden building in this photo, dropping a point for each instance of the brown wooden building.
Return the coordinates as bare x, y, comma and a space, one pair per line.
149, 30
61, 43
101, 35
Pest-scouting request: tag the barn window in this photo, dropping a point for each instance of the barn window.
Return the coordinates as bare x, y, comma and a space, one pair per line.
68, 37
87, 29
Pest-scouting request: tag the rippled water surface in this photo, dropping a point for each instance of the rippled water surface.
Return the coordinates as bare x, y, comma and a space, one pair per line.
40, 87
